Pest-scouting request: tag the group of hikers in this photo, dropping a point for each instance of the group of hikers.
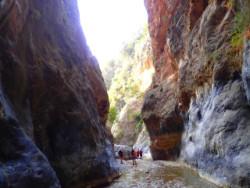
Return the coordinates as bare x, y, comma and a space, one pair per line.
134, 154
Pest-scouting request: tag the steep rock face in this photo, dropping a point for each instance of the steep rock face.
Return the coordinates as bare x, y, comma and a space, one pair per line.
125, 130
160, 112
53, 99
164, 123
200, 78
143, 141
215, 140
216, 137
246, 69
145, 67
196, 9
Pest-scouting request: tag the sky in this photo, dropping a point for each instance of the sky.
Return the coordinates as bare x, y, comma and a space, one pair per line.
107, 24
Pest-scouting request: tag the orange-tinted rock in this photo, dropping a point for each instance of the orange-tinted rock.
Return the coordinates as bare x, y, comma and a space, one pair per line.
197, 7
164, 123
198, 74
100, 92
53, 98
160, 112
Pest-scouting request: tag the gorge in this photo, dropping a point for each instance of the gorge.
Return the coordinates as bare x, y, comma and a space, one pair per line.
54, 103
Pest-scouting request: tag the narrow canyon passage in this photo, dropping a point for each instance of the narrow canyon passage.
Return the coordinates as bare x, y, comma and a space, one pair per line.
154, 174
177, 89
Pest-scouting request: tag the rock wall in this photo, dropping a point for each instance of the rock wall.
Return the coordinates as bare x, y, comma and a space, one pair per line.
124, 131
196, 109
246, 69
53, 101
160, 111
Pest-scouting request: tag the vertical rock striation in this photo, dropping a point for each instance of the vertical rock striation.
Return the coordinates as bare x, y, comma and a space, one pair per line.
197, 106
246, 69
53, 99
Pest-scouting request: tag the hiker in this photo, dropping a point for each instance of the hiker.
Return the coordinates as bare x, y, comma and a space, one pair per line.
135, 153
138, 153
141, 154
133, 156
121, 155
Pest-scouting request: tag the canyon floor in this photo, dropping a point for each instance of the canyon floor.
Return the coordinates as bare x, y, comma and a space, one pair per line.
154, 174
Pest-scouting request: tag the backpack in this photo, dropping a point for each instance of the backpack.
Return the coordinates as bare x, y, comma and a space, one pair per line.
120, 153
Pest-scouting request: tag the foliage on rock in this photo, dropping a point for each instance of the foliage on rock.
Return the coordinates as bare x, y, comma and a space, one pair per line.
112, 116
125, 83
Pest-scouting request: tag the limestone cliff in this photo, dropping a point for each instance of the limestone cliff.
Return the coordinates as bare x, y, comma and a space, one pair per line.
131, 76
196, 109
125, 130
160, 112
53, 101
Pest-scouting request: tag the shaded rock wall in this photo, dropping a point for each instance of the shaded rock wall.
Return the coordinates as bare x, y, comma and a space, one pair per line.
246, 69
197, 106
53, 99
216, 136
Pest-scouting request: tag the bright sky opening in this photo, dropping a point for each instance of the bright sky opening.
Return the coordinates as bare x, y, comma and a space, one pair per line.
108, 24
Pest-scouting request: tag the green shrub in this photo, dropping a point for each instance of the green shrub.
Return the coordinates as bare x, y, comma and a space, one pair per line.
129, 111
119, 133
216, 54
112, 114
37, 14
147, 133
124, 81
240, 27
241, 24
138, 126
155, 85
135, 115
131, 144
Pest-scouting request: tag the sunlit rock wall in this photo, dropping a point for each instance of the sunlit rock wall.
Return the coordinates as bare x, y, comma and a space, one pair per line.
124, 130
128, 127
53, 101
144, 61
160, 111
196, 109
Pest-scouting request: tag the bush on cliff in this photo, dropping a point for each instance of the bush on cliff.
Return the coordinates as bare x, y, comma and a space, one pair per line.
112, 116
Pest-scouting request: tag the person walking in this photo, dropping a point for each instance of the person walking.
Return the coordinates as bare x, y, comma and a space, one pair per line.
133, 155
121, 155
141, 154
138, 153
